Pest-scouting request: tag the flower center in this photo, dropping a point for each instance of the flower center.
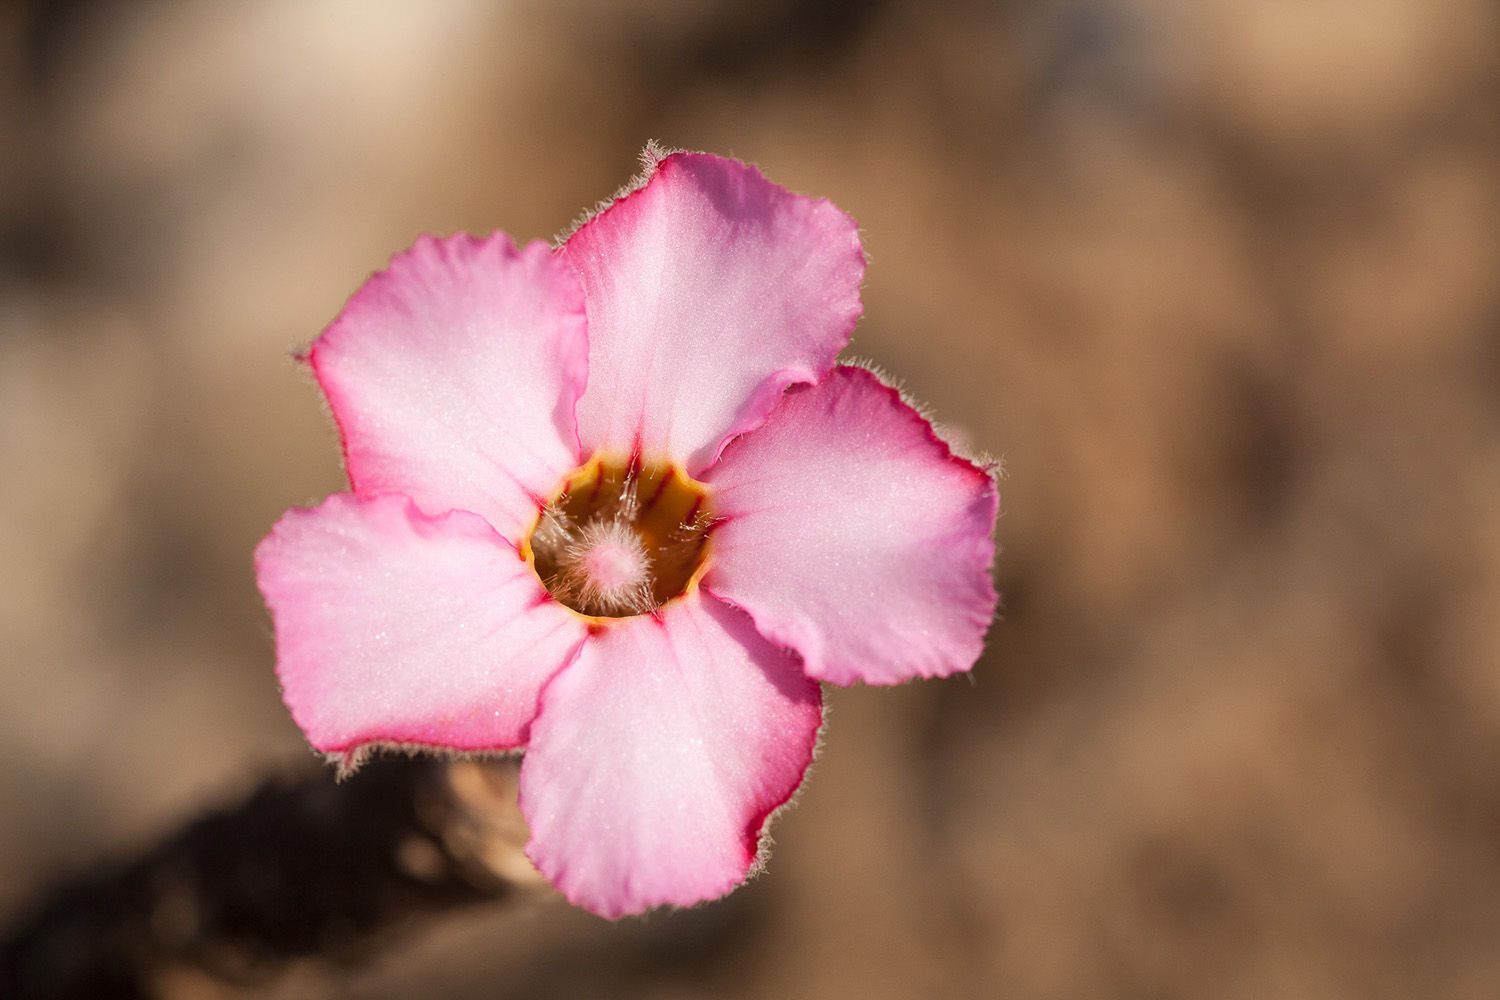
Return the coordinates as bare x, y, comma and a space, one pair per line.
621, 537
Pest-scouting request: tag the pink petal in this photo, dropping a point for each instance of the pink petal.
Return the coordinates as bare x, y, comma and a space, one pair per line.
854, 536
658, 755
709, 291
395, 626
454, 374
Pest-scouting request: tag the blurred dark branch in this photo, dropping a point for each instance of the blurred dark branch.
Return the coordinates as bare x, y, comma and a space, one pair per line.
301, 868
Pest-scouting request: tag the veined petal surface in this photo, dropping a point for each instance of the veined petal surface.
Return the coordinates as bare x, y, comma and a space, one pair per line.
393, 626
659, 753
853, 535
709, 290
453, 376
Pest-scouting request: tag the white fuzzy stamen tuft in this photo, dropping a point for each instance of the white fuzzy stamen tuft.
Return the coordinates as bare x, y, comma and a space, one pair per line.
604, 566
621, 539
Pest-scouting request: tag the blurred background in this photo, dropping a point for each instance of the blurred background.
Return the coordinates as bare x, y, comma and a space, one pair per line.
1219, 279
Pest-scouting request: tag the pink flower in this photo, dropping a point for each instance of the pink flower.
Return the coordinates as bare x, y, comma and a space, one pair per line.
589, 519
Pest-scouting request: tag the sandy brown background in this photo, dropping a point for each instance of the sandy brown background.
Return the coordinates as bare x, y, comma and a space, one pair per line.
1219, 279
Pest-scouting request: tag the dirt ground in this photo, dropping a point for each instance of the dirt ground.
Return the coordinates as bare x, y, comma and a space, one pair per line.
1218, 279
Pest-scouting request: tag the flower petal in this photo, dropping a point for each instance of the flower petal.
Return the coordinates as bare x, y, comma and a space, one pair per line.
854, 536
453, 376
658, 755
709, 290
395, 626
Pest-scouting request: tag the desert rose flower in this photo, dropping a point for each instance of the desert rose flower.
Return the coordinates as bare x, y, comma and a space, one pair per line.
613, 504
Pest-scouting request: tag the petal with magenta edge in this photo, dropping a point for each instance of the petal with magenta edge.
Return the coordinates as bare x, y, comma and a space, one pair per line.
453, 375
709, 290
393, 626
854, 536
658, 754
